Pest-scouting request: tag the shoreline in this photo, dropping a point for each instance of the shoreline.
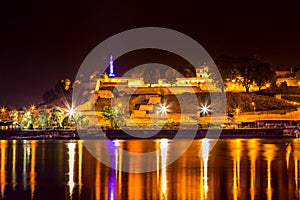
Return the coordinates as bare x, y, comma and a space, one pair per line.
145, 134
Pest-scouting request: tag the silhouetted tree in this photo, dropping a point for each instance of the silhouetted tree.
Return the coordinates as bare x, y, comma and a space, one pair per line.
150, 75
171, 75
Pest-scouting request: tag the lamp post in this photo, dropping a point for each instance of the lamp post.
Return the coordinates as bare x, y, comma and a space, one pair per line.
204, 109
2, 114
253, 104
237, 110
268, 86
163, 110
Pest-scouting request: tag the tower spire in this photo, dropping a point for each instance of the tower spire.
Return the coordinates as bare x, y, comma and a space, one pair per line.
111, 67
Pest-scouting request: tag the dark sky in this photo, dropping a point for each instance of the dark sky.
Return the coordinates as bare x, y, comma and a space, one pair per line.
42, 43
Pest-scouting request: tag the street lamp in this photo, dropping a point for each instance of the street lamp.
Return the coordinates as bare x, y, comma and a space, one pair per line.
237, 110
71, 112
32, 107
253, 104
268, 85
204, 109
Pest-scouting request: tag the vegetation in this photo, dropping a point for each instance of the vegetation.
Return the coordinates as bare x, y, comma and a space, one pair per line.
171, 75
56, 117
27, 118
114, 115
42, 119
245, 70
69, 120
262, 103
13, 115
62, 88
150, 75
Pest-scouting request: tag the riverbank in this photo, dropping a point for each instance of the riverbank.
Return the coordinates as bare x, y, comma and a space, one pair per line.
144, 134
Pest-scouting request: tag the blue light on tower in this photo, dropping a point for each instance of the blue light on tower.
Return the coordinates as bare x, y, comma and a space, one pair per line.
111, 68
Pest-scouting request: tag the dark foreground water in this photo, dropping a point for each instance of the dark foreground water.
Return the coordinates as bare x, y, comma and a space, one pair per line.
234, 169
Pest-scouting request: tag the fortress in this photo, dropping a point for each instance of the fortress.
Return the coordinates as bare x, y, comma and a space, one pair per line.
143, 98
202, 80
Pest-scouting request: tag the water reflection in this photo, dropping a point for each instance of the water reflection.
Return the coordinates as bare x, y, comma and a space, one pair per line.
163, 155
234, 169
269, 154
71, 153
3, 146
14, 174
253, 146
32, 175
204, 168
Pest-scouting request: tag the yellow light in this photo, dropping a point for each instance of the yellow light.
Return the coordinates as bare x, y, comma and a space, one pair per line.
237, 110
252, 103
267, 85
32, 107
3, 110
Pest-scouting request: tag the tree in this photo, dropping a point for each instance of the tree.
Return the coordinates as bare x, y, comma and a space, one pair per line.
246, 71
246, 68
171, 75
264, 73
69, 120
83, 121
150, 75
114, 115
136, 74
62, 88
27, 118
14, 115
56, 117
228, 70
188, 72
4, 114
42, 119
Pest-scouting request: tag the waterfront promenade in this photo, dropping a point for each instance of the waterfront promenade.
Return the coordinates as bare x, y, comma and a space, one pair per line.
145, 134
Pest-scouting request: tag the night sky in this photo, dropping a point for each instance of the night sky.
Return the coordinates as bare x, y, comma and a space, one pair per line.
42, 43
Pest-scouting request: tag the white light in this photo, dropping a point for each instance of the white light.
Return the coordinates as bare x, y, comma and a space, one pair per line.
163, 109
71, 112
116, 143
205, 109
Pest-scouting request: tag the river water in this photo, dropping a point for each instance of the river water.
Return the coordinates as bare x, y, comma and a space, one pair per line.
233, 169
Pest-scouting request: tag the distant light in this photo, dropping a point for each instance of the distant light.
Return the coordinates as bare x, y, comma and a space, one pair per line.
32, 107
71, 112
205, 109
163, 109
252, 103
116, 143
2, 109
